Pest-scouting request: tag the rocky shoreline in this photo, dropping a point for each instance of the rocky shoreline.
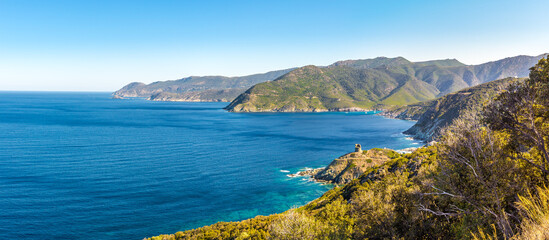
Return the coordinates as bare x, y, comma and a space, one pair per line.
349, 166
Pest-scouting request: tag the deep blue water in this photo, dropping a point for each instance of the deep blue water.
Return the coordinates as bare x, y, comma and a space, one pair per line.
82, 165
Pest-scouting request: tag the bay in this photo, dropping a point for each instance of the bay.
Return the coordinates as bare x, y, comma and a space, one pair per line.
82, 165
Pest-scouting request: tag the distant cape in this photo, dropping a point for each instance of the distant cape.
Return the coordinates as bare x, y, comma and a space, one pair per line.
196, 89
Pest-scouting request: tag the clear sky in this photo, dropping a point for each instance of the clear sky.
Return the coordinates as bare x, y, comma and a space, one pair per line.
96, 45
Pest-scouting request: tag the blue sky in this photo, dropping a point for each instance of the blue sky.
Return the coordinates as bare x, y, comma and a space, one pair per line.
103, 45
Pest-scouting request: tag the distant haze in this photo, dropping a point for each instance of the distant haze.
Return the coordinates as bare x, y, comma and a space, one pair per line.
103, 45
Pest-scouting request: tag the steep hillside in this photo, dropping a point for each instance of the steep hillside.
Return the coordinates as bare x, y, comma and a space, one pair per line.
372, 84
207, 88
435, 114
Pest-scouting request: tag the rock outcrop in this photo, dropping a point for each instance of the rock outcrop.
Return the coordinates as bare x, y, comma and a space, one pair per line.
350, 166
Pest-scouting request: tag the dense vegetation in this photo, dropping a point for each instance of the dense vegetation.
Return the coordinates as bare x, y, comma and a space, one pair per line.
207, 88
436, 114
484, 179
372, 84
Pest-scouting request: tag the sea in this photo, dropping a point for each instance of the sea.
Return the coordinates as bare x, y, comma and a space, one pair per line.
77, 165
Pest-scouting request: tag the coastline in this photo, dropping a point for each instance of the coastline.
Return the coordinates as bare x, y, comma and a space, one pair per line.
261, 221
315, 174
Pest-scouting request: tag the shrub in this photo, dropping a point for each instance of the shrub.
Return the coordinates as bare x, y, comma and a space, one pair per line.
295, 225
535, 212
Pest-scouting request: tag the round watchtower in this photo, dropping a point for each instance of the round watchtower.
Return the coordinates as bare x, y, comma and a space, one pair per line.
358, 148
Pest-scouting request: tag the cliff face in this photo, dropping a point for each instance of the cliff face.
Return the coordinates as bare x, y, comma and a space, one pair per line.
436, 114
351, 165
373, 84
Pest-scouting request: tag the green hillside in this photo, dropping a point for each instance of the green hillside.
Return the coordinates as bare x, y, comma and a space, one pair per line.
372, 84
337, 88
320, 89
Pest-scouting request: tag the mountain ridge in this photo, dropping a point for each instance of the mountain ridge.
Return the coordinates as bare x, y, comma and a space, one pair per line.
372, 84
196, 88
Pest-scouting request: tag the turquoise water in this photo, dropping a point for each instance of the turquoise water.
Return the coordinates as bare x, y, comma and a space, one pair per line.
82, 165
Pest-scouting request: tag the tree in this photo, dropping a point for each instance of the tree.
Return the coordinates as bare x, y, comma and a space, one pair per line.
476, 175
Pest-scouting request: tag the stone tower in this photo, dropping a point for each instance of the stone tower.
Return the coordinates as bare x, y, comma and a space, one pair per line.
358, 148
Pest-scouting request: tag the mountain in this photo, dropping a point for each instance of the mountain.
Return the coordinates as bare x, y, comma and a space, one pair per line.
372, 84
335, 88
435, 114
207, 88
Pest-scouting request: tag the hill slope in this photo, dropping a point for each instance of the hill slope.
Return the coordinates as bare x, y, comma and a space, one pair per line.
435, 114
372, 84
313, 88
207, 88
